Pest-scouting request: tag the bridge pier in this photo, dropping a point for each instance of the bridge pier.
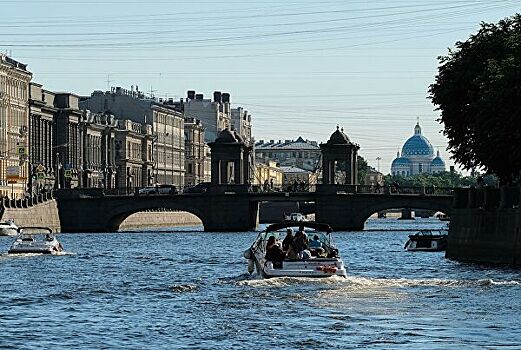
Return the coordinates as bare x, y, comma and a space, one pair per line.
231, 213
339, 216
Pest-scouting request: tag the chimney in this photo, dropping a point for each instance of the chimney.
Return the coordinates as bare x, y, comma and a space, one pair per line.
190, 94
199, 96
226, 97
217, 96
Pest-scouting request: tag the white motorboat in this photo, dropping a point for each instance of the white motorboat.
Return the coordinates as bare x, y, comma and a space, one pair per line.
427, 241
8, 228
36, 240
322, 262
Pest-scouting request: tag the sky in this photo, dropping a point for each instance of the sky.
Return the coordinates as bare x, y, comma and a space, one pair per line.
300, 67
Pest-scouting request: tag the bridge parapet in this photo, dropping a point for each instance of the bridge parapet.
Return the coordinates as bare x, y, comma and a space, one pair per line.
227, 189
384, 190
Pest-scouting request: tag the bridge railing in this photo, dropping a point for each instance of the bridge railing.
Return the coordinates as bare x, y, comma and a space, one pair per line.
385, 190
330, 189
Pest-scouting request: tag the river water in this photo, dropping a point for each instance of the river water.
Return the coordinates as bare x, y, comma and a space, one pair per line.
187, 289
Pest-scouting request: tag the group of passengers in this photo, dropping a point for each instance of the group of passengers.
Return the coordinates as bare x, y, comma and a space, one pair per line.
294, 246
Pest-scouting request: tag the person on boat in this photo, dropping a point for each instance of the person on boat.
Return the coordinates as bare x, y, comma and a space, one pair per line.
300, 242
286, 243
274, 252
315, 243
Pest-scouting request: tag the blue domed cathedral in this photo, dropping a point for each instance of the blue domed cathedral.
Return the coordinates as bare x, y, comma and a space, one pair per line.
417, 157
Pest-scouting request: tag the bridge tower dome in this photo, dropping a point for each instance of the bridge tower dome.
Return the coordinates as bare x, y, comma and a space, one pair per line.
339, 156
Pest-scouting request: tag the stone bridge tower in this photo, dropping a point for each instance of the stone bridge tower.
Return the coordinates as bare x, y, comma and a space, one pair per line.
230, 159
338, 153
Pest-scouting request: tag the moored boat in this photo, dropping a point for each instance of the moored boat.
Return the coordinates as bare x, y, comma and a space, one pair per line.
295, 217
36, 240
427, 241
8, 228
320, 260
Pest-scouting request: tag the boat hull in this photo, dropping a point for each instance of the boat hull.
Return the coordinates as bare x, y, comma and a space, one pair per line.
314, 268
39, 248
426, 244
8, 231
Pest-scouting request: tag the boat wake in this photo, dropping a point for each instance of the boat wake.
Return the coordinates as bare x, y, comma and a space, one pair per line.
25, 255
357, 282
184, 288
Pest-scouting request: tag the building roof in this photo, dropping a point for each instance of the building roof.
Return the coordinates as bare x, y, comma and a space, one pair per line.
226, 136
401, 161
437, 161
417, 145
293, 169
299, 143
338, 137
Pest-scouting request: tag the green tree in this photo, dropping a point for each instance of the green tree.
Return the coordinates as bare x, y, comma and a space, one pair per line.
478, 91
440, 180
362, 169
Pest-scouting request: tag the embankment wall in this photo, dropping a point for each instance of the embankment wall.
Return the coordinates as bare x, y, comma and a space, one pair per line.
485, 226
46, 214
43, 214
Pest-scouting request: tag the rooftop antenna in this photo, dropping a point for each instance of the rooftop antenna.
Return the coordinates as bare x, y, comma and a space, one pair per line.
108, 82
152, 92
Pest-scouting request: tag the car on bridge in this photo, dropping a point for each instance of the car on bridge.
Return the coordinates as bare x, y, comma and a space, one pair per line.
159, 189
199, 188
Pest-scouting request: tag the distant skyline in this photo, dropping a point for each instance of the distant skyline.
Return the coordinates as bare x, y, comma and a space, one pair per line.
299, 67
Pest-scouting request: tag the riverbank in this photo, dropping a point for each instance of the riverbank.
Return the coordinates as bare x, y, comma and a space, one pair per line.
46, 215
158, 219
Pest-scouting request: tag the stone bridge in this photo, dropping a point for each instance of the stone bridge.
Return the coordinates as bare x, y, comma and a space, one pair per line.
234, 208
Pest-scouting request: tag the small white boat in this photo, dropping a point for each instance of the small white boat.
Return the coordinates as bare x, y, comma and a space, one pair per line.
36, 240
8, 228
295, 217
427, 241
322, 262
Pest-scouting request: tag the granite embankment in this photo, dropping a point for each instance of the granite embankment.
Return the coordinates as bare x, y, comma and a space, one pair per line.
485, 226
45, 213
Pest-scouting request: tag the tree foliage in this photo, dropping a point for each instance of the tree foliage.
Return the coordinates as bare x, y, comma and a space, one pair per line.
440, 180
362, 169
478, 91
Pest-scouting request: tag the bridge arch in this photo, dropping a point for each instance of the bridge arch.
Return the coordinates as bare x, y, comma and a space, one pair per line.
351, 212
118, 214
377, 207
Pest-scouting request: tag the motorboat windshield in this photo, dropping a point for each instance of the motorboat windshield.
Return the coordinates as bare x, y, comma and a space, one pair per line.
35, 233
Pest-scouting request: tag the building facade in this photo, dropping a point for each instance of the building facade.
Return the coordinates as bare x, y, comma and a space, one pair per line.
241, 122
98, 168
68, 148
134, 155
373, 177
196, 152
167, 123
268, 175
14, 127
215, 115
299, 153
41, 139
302, 179
417, 157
